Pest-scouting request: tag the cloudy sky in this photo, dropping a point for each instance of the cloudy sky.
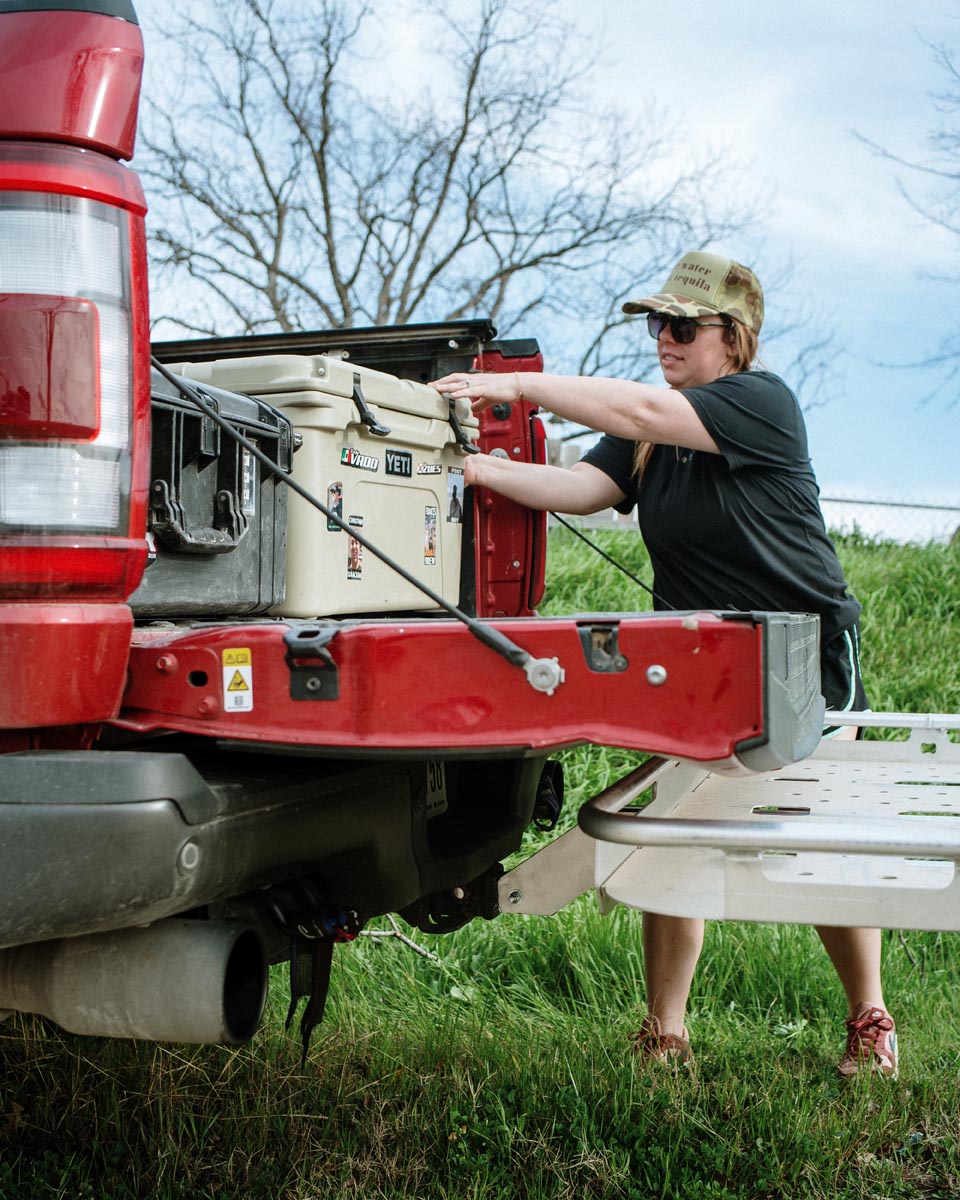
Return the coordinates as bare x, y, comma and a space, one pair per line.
786, 88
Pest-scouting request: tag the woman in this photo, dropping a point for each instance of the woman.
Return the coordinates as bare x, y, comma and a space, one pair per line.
728, 504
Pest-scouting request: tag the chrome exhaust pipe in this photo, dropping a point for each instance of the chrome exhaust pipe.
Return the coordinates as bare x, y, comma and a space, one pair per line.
175, 981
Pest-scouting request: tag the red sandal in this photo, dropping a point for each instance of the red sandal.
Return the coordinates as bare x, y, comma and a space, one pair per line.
649, 1042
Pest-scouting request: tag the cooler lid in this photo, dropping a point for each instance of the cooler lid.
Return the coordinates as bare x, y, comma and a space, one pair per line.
308, 379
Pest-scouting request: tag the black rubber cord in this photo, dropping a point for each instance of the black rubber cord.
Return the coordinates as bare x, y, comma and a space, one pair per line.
491, 637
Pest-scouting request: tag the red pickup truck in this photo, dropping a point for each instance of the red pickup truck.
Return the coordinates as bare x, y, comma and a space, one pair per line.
161, 841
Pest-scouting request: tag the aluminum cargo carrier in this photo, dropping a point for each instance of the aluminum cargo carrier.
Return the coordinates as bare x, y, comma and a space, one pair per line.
860, 833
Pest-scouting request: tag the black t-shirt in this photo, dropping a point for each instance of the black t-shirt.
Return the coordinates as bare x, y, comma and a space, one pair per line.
741, 529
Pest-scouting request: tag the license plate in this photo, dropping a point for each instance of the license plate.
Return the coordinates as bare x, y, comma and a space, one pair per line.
436, 787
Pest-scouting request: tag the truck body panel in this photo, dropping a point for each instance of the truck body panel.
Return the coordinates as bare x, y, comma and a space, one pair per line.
84, 87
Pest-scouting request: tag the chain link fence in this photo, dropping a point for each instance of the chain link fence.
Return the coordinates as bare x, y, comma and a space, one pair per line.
892, 520
878, 520
889, 519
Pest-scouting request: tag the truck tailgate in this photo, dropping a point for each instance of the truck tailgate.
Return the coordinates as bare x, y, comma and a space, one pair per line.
740, 689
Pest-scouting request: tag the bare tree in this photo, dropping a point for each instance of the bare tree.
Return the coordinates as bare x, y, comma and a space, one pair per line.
930, 184
296, 184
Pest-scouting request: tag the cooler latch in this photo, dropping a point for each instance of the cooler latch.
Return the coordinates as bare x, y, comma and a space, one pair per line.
366, 416
313, 673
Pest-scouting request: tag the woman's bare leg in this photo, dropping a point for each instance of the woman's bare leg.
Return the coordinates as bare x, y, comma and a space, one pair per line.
671, 948
855, 954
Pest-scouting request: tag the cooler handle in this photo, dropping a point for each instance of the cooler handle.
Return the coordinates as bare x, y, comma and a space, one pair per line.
367, 418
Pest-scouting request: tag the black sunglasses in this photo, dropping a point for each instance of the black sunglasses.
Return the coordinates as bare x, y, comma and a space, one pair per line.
682, 329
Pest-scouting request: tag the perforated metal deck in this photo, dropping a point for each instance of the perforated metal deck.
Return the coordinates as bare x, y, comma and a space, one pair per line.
861, 833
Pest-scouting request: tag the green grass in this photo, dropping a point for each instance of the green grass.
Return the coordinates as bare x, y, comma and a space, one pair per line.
498, 1068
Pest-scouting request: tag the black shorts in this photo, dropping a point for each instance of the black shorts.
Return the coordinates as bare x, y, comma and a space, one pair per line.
840, 680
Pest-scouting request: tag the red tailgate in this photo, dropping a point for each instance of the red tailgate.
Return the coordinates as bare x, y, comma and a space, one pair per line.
680, 685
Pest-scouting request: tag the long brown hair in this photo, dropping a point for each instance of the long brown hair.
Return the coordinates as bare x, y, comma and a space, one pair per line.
744, 344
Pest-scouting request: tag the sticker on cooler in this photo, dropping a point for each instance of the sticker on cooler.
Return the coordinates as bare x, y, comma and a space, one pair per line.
335, 505
363, 462
430, 535
455, 495
399, 462
354, 553
237, 680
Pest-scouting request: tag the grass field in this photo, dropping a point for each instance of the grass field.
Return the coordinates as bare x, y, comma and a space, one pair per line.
497, 1067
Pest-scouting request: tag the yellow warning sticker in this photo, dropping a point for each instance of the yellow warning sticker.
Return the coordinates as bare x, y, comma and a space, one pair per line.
237, 680
238, 683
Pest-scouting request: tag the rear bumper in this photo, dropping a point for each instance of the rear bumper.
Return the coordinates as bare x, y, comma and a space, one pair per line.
63, 664
99, 840
333, 781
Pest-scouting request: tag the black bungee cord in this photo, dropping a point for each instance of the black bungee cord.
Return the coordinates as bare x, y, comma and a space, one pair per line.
620, 567
543, 674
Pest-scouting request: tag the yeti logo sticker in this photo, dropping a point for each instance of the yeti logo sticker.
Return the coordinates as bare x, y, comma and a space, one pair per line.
353, 458
399, 462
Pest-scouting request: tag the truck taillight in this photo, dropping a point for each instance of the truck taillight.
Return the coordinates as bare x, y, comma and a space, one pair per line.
74, 359
67, 247
74, 390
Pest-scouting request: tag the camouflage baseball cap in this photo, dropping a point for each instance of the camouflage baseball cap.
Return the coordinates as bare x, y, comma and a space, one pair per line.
702, 284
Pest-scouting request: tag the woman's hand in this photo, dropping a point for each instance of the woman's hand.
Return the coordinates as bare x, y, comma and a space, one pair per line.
482, 388
473, 469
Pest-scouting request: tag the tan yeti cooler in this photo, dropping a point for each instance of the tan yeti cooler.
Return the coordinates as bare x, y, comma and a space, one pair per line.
402, 489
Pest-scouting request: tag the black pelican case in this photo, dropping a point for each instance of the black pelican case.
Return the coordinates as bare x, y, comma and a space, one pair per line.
217, 522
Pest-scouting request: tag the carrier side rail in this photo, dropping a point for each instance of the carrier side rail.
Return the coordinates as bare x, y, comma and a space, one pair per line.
917, 831
834, 835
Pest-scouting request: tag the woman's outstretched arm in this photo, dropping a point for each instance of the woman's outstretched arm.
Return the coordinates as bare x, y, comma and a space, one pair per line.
640, 412
579, 489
